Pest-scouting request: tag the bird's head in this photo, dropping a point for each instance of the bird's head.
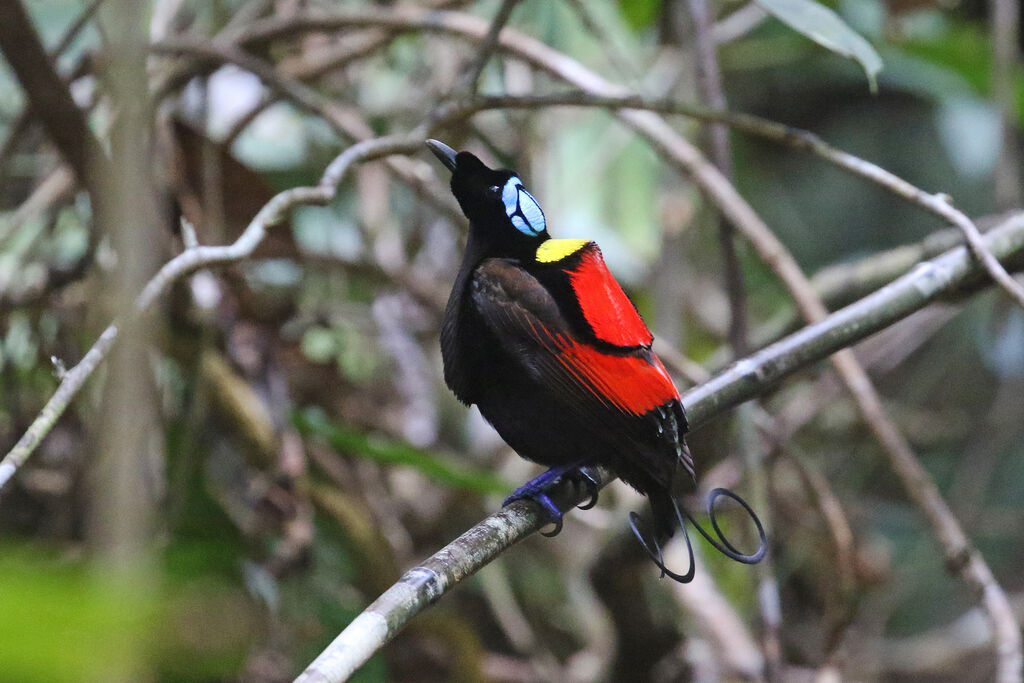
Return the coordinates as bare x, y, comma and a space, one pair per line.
498, 207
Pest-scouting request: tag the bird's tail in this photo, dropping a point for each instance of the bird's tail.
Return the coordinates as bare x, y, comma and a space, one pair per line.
669, 516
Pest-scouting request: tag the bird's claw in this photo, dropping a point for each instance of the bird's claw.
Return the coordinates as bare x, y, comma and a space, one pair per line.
554, 532
586, 478
536, 490
530, 492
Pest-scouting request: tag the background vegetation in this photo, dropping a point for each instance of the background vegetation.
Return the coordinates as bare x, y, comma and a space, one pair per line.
272, 444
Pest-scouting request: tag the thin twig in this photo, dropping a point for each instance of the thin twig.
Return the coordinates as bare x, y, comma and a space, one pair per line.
490, 41
739, 23
221, 52
719, 621
1004, 23
423, 585
709, 85
22, 288
344, 123
843, 606
610, 48
57, 183
322, 60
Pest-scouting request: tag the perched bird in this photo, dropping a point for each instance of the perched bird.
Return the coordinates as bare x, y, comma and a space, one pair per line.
539, 335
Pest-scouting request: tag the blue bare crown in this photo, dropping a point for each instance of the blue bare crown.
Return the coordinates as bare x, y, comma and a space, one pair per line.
522, 209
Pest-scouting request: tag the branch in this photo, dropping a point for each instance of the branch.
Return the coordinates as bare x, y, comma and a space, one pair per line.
717, 147
344, 123
658, 133
938, 652
56, 185
423, 585
48, 96
687, 159
1004, 23
490, 41
738, 24
28, 285
709, 85
841, 283
18, 123
220, 53
191, 260
961, 557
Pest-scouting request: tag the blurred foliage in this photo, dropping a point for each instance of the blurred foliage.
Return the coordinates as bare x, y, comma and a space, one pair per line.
313, 423
60, 624
308, 451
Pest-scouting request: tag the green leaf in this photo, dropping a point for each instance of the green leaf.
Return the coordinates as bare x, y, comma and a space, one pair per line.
827, 29
313, 422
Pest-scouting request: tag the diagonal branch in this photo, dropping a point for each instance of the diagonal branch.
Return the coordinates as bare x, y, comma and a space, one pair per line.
48, 96
423, 585
17, 126
490, 41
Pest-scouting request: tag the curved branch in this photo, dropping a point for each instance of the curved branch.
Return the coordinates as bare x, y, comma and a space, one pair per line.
423, 585
189, 261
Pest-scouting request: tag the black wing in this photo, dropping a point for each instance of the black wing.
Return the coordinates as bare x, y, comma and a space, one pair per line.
624, 393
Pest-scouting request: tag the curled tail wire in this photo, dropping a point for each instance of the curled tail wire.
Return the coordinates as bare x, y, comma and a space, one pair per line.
721, 544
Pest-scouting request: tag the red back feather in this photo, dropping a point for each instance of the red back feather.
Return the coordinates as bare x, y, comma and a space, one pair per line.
605, 306
628, 383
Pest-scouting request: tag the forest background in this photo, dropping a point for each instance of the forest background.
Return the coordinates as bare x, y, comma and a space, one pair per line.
217, 456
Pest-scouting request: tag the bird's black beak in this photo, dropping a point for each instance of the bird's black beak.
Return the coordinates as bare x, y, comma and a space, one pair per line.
443, 152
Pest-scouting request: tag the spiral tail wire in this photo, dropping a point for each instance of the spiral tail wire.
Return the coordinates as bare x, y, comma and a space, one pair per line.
721, 544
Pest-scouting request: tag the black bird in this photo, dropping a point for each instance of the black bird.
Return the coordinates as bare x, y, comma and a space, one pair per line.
539, 335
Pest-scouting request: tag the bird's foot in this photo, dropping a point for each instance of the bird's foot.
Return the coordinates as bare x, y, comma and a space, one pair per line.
537, 490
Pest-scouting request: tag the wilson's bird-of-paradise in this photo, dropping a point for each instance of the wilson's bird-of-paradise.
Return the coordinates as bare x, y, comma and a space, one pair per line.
539, 336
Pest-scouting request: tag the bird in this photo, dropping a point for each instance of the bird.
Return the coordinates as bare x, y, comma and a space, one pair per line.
539, 335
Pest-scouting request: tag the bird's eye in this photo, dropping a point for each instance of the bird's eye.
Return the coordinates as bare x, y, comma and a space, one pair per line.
494, 189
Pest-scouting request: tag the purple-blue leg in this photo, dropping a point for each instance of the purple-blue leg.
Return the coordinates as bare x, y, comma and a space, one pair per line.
536, 489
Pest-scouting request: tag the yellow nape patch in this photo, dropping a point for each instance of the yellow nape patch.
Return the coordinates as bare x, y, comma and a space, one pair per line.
556, 250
